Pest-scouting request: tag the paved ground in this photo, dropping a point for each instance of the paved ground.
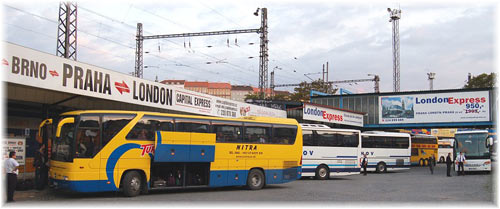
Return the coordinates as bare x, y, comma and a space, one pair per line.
414, 187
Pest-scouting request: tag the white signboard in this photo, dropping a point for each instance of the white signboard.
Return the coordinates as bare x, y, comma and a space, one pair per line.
33, 68
323, 114
15, 144
435, 108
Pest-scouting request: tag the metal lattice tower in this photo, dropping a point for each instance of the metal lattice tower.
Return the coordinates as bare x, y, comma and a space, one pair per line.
67, 30
395, 15
139, 52
263, 62
431, 77
263, 84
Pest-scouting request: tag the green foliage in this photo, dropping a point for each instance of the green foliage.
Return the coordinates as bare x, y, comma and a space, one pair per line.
482, 81
302, 92
252, 96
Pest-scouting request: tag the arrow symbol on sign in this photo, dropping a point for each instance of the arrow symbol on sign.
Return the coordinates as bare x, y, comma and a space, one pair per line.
53, 73
5, 62
122, 87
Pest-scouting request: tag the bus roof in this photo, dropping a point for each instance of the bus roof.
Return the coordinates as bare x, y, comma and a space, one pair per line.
242, 119
471, 132
323, 127
383, 133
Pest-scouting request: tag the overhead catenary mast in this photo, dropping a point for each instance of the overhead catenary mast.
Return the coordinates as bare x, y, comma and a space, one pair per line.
395, 15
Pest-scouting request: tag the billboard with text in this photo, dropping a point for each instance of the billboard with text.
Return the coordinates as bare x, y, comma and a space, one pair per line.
435, 108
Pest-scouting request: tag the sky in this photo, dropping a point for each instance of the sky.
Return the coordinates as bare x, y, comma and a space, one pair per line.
449, 38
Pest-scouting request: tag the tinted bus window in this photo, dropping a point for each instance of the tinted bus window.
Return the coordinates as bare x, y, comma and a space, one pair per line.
337, 139
229, 132
385, 142
308, 138
424, 140
147, 126
257, 133
284, 134
191, 125
112, 124
88, 136
400, 142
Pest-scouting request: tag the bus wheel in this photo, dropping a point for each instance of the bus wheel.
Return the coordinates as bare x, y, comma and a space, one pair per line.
132, 184
322, 172
381, 167
255, 179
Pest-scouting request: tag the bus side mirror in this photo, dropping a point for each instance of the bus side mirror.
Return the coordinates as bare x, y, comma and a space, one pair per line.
489, 142
61, 124
45, 122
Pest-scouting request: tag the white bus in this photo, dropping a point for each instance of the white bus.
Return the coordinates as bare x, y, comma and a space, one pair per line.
386, 150
445, 146
329, 152
476, 147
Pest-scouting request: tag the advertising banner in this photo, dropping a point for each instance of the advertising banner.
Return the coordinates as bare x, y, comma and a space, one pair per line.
37, 69
15, 144
435, 108
328, 115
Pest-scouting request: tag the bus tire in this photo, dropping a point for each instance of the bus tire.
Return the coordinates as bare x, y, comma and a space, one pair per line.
322, 172
381, 167
255, 180
132, 184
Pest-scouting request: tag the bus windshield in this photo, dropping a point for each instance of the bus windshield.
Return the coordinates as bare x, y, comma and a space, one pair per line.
474, 145
63, 145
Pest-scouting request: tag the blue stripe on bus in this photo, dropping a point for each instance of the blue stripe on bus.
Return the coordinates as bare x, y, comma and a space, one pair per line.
356, 157
239, 177
85, 186
330, 164
313, 170
114, 157
406, 163
217, 179
391, 166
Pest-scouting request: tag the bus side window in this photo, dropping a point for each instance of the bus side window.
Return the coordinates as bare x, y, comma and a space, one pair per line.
88, 137
308, 138
191, 125
227, 131
146, 128
284, 134
257, 134
112, 124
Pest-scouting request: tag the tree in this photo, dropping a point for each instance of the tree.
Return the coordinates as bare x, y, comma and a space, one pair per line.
482, 81
302, 93
252, 96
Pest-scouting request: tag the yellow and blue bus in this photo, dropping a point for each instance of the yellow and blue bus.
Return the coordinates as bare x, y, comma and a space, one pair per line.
422, 148
135, 152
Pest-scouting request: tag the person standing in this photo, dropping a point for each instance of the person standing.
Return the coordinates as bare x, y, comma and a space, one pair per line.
448, 164
11, 168
431, 164
41, 169
460, 162
364, 163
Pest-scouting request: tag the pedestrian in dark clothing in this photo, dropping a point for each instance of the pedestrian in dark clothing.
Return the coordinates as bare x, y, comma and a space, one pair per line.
460, 162
11, 168
448, 164
431, 164
41, 169
364, 163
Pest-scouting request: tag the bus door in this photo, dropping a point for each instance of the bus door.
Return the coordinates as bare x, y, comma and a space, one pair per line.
44, 136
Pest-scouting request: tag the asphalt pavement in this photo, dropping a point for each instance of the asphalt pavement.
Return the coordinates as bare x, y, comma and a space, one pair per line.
416, 186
